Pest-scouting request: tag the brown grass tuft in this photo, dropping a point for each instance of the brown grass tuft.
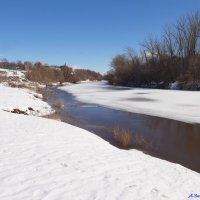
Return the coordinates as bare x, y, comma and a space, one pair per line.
54, 116
123, 137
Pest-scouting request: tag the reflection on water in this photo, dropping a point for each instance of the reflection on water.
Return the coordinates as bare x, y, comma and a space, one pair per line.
168, 139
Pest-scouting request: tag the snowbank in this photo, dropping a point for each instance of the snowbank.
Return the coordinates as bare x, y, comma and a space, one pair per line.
23, 99
173, 104
13, 73
46, 159
43, 159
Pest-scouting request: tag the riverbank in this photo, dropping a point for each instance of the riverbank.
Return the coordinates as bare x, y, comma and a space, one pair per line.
168, 139
47, 159
172, 104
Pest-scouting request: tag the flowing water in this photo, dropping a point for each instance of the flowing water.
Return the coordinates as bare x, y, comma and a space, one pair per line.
167, 139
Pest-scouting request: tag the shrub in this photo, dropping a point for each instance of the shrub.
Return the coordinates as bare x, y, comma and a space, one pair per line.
49, 75
85, 74
45, 75
123, 137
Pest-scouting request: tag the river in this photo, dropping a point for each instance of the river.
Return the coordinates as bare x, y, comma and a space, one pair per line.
171, 140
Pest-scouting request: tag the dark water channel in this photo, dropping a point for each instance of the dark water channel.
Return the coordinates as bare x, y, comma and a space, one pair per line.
168, 139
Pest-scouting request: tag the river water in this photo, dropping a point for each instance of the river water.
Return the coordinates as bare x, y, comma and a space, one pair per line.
172, 140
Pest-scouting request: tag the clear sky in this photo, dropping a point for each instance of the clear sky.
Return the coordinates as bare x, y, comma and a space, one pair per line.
85, 33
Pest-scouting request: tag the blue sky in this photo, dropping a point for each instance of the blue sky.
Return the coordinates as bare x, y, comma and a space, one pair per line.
85, 33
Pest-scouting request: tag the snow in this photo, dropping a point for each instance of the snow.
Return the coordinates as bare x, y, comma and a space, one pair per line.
174, 86
22, 99
13, 73
43, 159
86, 81
46, 159
172, 104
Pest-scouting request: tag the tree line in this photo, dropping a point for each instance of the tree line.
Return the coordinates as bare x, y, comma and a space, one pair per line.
42, 73
171, 59
61, 74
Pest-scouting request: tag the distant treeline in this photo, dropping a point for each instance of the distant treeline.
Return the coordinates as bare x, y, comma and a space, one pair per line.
61, 74
40, 72
174, 57
4, 63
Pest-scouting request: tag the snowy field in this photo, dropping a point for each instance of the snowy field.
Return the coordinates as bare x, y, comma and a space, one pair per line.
172, 104
43, 159
50, 160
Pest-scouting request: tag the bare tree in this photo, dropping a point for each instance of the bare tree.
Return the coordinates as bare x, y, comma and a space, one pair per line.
149, 47
170, 45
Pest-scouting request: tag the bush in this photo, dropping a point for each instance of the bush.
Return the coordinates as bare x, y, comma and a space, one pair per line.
85, 74
123, 137
44, 75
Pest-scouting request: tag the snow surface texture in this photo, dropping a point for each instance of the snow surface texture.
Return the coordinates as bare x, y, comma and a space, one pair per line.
42, 159
13, 73
22, 99
172, 104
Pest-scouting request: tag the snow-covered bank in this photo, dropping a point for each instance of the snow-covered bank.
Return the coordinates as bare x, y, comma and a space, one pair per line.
24, 100
42, 159
46, 159
172, 104
13, 73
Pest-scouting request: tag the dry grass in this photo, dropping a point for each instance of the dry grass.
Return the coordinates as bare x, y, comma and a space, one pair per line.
45, 75
59, 104
12, 81
17, 85
39, 90
54, 116
3, 78
123, 137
